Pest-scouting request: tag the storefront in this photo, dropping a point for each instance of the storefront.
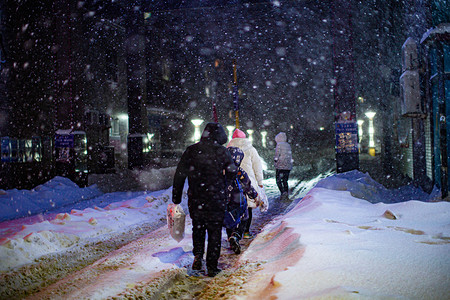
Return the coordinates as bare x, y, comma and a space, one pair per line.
436, 43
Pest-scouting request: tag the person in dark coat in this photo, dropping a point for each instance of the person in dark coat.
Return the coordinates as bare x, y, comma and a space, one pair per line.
207, 165
237, 190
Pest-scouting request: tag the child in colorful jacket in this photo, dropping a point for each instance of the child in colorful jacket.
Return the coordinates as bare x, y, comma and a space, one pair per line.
237, 204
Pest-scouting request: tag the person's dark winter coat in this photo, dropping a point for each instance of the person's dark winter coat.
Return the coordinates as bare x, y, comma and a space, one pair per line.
207, 165
204, 164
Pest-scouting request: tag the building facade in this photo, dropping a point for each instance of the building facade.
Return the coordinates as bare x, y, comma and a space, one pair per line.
424, 104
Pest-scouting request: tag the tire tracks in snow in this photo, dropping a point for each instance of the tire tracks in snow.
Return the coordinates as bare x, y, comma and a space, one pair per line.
131, 269
30, 279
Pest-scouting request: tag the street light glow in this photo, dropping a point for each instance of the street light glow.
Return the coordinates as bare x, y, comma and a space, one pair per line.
230, 129
263, 138
250, 135
197, 122
197, 135
360, 129
371, 115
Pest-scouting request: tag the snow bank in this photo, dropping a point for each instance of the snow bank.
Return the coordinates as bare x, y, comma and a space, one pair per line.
55, 193
79, 226
334, 245
361, 185
337, 241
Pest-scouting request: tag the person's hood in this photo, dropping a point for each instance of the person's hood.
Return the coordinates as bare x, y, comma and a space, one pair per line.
239, 134
242, 143
281, 137
237, 154
214, 132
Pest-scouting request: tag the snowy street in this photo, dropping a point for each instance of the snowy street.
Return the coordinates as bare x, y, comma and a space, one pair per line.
330, 119
325, 243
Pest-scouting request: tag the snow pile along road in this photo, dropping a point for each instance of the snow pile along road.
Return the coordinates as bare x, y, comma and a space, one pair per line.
63, 230
328, 244
53, 194
332, 244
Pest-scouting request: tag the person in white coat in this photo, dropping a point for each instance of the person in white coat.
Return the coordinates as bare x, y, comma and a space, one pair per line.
252, 165
283, 164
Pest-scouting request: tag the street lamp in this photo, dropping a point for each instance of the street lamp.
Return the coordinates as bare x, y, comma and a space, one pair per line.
360, 133
230, 129
250, 135
197, 123
263, 138
370, 115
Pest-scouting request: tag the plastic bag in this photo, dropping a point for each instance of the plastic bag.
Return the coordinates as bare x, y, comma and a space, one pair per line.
263, 200
176, 221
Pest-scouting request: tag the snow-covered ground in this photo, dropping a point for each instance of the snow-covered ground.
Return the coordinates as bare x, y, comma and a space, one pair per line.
343, 236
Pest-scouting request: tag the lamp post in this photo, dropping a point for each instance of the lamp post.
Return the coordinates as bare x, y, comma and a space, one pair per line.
263, 138
371, 115
250, 135
197, 123
360, 133
230, 132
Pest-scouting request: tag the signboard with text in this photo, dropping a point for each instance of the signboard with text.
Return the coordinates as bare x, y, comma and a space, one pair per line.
63, 144
346, 137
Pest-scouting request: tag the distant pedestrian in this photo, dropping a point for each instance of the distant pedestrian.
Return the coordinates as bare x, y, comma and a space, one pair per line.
283, 164
208, 166
251, 164
237, 212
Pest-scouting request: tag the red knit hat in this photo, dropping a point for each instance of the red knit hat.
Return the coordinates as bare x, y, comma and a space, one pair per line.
239, 134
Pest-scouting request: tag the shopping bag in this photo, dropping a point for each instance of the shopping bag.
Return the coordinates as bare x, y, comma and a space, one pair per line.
176, 221
263, 200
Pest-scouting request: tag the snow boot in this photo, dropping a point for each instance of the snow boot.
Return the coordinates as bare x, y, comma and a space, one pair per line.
213, 272
234, 245
285, 197
197, 264
247, 235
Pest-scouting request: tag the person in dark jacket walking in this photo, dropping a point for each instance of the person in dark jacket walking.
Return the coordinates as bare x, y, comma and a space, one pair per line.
237, 190
207, 165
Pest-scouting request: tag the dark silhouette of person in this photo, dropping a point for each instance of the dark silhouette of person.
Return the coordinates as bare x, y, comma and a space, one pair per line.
207, 165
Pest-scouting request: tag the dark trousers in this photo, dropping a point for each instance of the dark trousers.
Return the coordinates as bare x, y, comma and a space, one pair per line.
214, 229
238, 231
249, 220
282, 177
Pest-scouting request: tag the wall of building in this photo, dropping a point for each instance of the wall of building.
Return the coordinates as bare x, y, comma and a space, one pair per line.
66, 70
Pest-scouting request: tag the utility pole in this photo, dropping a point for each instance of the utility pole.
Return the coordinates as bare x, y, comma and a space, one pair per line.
64, 95
136, 88
346, 128
235, 93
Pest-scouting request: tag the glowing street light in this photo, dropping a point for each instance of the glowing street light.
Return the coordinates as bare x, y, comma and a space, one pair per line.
230, 129
263, 138
197, 135
360, 133
371, 115
250, 135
